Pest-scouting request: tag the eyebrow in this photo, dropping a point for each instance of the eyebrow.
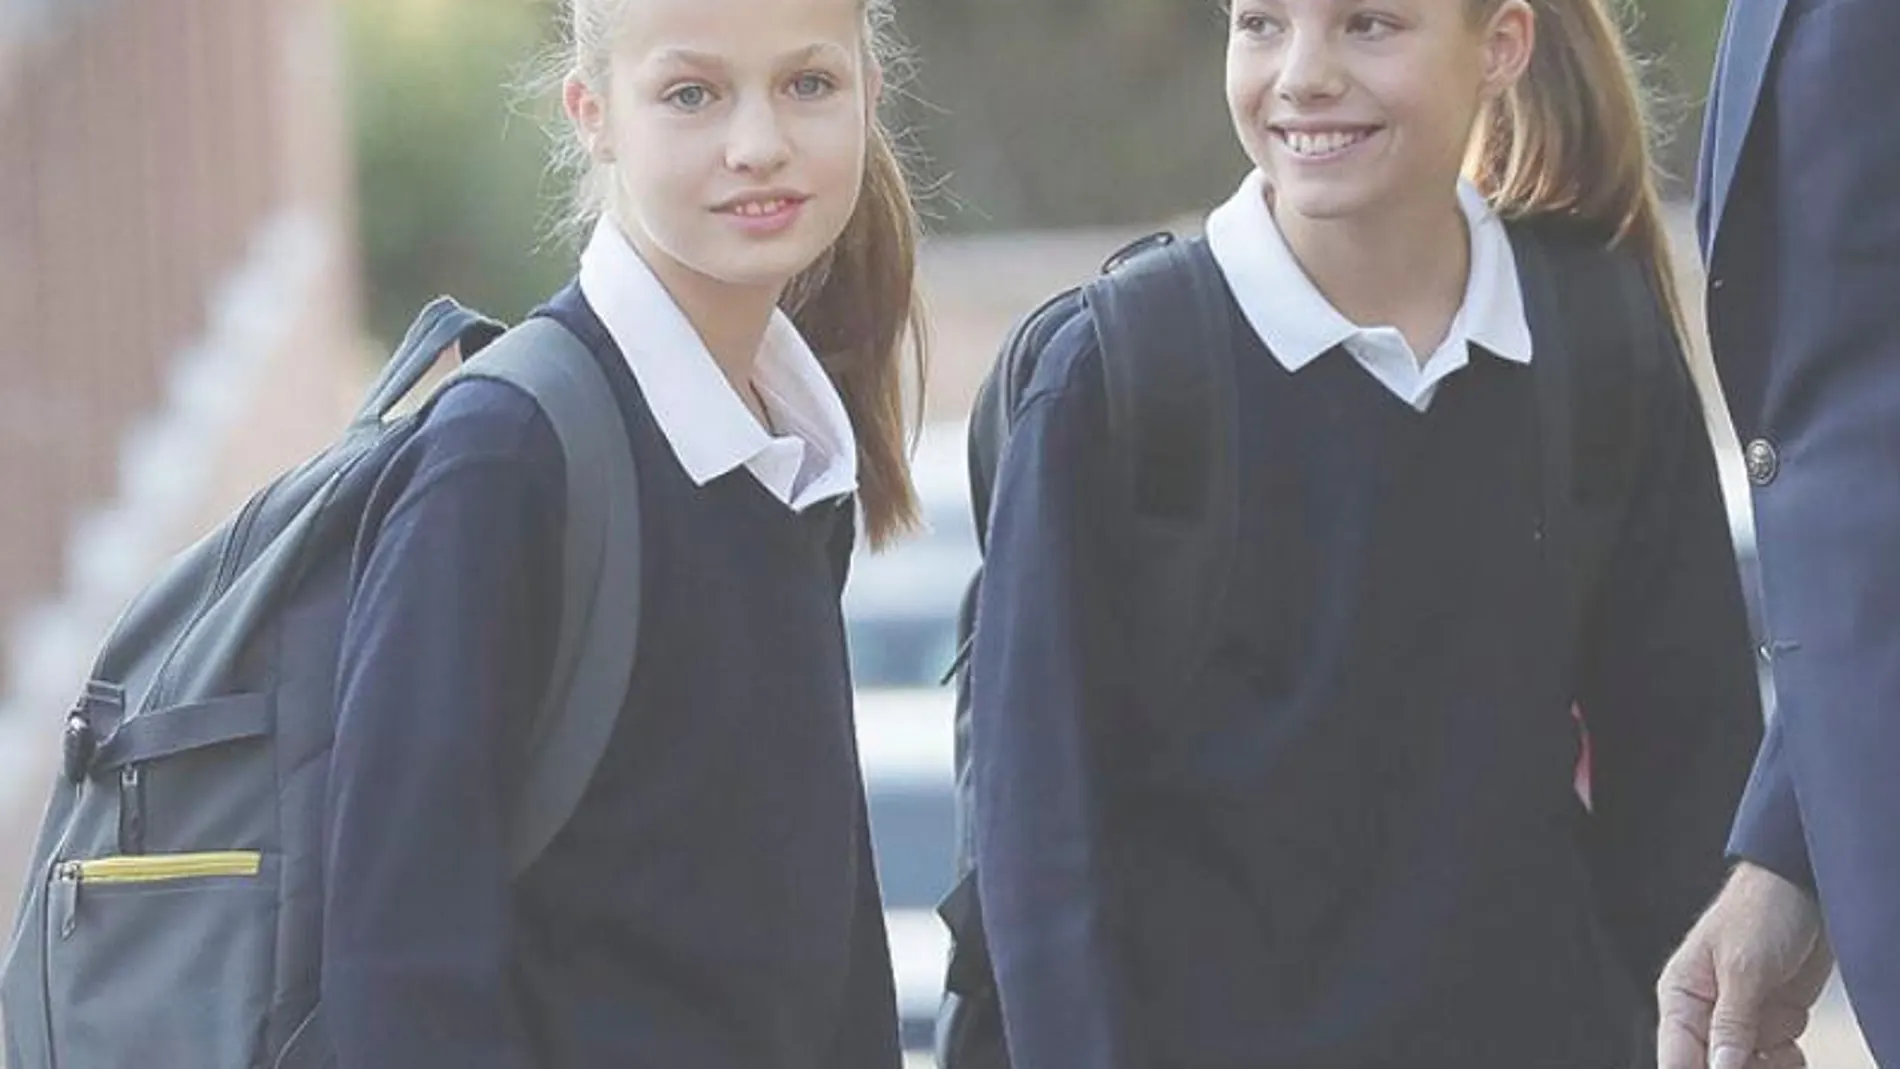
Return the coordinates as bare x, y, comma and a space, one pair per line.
696, 58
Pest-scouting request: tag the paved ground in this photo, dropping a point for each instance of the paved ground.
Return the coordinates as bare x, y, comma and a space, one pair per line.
1834, 1041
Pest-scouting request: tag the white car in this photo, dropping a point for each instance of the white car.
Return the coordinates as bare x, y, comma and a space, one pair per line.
901, 621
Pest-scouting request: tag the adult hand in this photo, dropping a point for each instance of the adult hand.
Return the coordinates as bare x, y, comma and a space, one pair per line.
1738, 992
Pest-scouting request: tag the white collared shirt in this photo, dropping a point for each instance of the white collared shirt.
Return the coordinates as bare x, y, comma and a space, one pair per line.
1298, 324
712, 432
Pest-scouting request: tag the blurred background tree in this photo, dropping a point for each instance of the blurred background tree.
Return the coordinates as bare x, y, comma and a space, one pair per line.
450, 173
1024, 113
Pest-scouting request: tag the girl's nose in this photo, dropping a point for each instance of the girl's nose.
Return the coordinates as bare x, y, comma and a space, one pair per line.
1311, 71
756, 142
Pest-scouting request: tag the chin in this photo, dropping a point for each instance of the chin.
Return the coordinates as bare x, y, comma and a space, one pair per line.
766, 264
1327, 201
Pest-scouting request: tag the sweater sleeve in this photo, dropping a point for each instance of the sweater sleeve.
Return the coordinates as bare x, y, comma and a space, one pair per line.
444, 656
1043, 711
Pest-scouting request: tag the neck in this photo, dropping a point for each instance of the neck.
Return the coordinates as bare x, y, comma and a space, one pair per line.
730, 318
1405, 267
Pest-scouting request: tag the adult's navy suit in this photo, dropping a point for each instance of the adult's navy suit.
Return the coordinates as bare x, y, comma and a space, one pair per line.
1799, 217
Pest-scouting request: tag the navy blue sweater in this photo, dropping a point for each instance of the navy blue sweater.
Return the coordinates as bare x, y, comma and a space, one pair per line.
1353, 843
712, 903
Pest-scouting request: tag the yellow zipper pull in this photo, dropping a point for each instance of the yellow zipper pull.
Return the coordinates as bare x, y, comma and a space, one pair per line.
66, 879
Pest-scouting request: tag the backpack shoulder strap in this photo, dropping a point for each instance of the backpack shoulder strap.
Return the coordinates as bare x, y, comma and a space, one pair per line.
1162, 319
441, 323
993, 413
600, 597
1594, 324
1164, 323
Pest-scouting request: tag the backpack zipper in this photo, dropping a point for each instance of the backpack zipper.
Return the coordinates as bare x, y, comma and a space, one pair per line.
234, 549
230, 549
153, 868
69, 876
65, 897
132, 809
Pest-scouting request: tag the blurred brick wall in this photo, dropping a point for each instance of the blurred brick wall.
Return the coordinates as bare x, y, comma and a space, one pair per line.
177, 311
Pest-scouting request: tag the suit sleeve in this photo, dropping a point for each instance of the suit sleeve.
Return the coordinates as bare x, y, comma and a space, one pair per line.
1668, 689
1043, 713
1768, 829
443, 652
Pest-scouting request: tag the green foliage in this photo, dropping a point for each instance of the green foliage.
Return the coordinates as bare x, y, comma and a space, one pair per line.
453, 194
1676, 40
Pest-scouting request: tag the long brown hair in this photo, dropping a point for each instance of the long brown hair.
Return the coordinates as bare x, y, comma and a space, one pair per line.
857, 306
1573, 137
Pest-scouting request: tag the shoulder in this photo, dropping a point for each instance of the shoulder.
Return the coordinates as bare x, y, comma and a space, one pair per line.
490, 423
1623, 325
1067, 354
481, 442
1571, 249
1143, 290
1585, 261
1561, 232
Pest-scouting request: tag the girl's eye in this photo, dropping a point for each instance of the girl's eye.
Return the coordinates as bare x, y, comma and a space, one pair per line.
689, 97
1255, 24
1372, 26
812, 85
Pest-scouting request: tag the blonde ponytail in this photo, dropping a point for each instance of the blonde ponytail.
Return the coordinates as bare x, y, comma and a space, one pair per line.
1573, 137
859, 308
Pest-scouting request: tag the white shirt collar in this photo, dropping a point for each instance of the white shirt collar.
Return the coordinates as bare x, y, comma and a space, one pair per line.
709, 427
1298, 324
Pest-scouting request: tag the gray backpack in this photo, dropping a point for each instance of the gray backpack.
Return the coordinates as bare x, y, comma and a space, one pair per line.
173, 914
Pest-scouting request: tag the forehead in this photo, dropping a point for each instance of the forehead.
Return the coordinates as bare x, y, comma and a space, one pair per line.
738, 30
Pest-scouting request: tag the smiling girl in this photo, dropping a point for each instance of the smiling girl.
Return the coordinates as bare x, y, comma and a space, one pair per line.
1349, 839
747, 291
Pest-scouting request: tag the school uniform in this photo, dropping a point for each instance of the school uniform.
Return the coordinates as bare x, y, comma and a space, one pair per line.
1352, 842
712, 903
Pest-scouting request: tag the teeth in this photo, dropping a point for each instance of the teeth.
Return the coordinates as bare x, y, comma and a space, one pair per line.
759, 208
1304, 143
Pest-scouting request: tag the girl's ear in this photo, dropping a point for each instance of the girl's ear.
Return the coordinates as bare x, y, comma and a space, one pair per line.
588, 113
1509, 39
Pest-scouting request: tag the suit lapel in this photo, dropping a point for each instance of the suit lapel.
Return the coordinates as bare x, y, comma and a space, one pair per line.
1748, 46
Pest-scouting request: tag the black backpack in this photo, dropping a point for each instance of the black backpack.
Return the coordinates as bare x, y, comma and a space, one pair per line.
1163, 315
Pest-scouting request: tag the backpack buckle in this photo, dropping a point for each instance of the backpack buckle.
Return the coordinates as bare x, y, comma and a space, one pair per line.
80, 742
78, 745
1160, 239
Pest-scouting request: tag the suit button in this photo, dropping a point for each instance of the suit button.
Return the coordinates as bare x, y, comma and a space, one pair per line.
1762, 461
